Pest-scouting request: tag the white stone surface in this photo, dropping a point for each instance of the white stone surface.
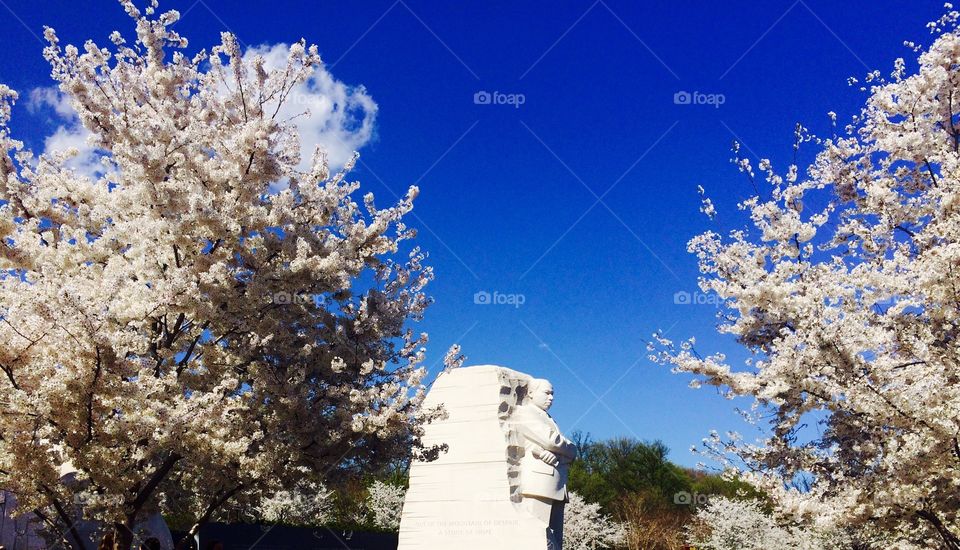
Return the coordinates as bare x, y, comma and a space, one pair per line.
473, 496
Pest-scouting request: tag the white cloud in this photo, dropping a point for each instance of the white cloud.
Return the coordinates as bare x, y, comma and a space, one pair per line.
49, 96
340, 118
68, 135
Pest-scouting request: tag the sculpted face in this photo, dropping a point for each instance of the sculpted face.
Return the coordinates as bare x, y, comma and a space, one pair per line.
542, 394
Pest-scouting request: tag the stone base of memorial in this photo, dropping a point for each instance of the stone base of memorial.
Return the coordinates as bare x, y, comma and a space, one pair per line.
470, 497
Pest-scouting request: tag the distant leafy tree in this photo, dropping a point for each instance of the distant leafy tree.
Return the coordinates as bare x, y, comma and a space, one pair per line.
605, 471
712, 484
608, 471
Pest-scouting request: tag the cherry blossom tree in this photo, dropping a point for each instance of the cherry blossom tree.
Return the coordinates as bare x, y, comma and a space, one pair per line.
742, 524
585, 527
384, 504
844, 287
307, 504
207, 317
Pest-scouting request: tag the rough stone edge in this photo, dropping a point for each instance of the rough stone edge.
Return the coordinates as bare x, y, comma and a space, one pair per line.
513, 391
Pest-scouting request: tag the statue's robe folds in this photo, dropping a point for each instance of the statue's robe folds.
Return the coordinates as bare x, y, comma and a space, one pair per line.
540, 432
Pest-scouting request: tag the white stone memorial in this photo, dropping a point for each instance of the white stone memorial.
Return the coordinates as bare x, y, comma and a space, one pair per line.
501, 482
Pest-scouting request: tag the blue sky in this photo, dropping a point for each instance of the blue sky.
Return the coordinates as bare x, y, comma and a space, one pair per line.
509, 194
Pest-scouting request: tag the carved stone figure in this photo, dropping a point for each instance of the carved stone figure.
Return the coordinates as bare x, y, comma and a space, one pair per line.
547, 455
501, 481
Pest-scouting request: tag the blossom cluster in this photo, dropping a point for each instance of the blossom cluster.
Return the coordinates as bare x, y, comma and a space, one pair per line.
384, 504
742, 524
585, 527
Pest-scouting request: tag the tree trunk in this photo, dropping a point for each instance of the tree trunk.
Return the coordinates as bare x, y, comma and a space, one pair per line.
950, 541
122, 537
123, 532
187, 540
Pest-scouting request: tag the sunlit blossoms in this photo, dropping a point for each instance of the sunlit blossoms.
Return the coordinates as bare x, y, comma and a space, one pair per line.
734, 524
383, 505
585, 527
207, 315
307, 503
846, 289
